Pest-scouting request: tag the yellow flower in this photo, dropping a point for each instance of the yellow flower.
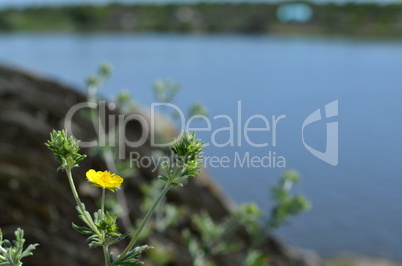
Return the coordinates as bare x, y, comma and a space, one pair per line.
104, 179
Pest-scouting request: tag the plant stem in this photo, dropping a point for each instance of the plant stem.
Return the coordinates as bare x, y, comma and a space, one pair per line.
79, 203
105, 248
108, 155
106, 254
121, 198
135, 234
103, 203
85, 214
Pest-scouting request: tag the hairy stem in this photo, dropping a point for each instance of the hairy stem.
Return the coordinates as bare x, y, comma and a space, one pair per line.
79, 203
136, 234
106, 255
103, 203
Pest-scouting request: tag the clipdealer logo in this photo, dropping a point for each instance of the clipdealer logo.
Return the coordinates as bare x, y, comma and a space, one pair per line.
330, 155
236, 133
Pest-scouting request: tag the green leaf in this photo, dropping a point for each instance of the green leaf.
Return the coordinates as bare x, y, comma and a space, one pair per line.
12, 255
28, 250
83, 229
131, 258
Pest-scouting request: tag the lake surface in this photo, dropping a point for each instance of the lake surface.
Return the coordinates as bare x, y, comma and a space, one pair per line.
356, 204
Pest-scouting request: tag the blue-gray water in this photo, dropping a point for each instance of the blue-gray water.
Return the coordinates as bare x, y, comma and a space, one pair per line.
356, 204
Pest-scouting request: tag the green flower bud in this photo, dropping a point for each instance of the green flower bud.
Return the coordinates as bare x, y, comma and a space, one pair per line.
187, 160
105, 70
65, 149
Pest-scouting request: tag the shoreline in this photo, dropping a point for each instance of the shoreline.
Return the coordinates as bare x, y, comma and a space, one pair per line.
328, 20
352, 259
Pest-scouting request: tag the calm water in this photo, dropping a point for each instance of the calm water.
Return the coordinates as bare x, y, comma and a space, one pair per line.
357, 204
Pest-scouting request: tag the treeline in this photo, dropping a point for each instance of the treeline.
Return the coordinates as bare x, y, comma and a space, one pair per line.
348, 19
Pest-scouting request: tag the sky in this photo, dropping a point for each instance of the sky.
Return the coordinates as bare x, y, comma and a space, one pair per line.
24, 3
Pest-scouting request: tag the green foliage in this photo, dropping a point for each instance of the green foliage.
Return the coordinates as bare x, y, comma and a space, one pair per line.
131, 258
195, 249
102, 229
220, 238
161, 255
12, 253
362, 19
93, 82
249, 216
187, 160
106, 225
166, 215
286, 204
96, 238
198, 109
215, 236
125, 103
65, 149
104, 71
166, 90
247, 213
210, 238
256, 258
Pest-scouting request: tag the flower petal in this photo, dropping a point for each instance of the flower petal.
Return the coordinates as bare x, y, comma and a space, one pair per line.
104, 179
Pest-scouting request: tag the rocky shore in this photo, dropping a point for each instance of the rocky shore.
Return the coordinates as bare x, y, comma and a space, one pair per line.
37, 198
